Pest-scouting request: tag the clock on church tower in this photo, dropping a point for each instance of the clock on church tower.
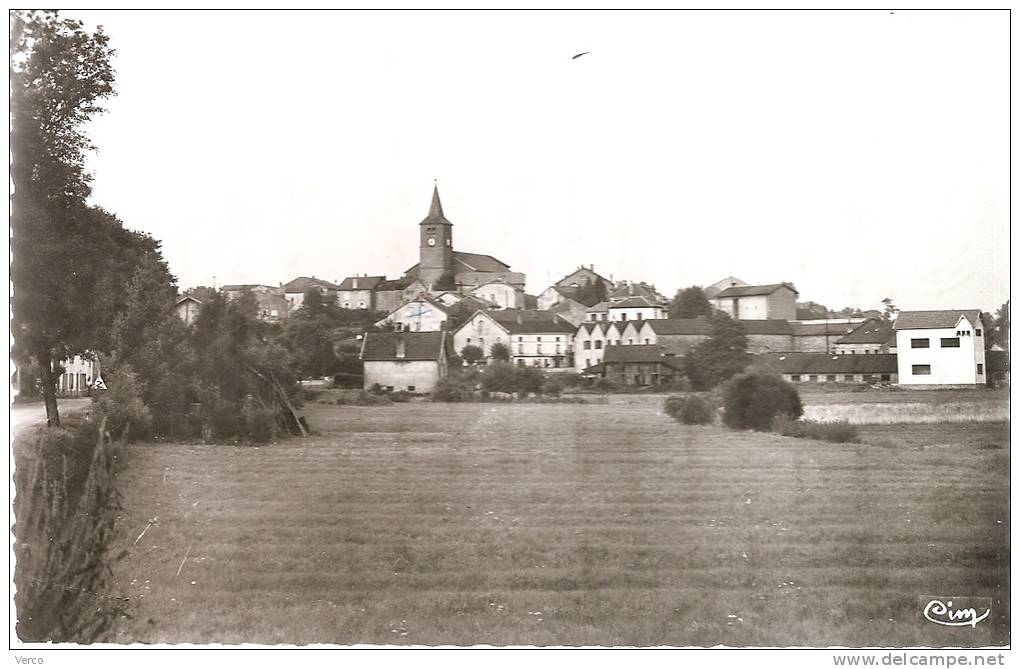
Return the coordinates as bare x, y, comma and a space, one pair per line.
436, 251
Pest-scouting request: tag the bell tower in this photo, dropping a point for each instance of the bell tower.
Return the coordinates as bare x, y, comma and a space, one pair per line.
435, 266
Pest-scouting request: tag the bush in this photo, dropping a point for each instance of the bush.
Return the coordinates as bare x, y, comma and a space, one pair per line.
126, 415
696, 411
838, 432
400, 396
499, 378
603, 385
258, 422
451, 389
553, 386
673, 405
690, 410
752, 400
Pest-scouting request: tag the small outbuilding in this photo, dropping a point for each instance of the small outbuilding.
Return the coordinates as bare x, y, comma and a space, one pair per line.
411, 361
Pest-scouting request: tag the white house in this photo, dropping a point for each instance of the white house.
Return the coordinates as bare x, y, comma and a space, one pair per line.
358, 292
411, 361
597, 313
78, 375
534, 338
187, 309
940, 348
775, 301
295, 290
421, 315
590, 342
499, 292
638, 308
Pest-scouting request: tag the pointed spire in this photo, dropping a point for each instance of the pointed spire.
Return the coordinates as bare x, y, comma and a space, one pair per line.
436, 210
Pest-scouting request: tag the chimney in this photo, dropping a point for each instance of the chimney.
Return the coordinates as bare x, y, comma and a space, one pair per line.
401, 348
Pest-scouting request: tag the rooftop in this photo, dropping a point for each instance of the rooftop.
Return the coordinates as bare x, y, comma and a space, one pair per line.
939, 319
748, 291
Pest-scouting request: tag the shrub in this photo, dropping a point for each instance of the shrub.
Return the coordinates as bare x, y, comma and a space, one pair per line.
451, 389
527, 380
126, 415
838, 432
400, 396
553, 386
603, 385
471, 354
258, 422
752, 400
696, 411
499, 378
499, 352
673, 405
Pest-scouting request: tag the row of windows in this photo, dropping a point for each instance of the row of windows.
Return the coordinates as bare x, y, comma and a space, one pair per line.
966, 333
538, 349
536, 339
835, 377
944, 342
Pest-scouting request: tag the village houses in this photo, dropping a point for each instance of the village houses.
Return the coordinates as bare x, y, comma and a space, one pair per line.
533, 338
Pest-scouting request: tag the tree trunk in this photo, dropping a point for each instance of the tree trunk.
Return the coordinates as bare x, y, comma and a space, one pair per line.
49, 387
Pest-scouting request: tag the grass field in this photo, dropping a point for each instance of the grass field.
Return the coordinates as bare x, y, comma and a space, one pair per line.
556, 524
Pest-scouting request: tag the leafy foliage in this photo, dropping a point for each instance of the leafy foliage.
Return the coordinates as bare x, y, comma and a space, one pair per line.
471, 354
719, 357
752, 400
499, 352
690, 409
837, 432
690, 302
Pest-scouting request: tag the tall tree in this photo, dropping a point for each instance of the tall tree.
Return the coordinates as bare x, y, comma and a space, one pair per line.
690, 302
719, 357
889, 309
1000, 327
59, 75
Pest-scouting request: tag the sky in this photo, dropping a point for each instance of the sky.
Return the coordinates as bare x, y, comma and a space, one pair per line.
859, 155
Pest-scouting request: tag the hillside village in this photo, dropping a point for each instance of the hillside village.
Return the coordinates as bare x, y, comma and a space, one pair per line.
598, 326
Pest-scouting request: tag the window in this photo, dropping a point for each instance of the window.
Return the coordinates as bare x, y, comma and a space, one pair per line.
520, 339
617, 342
920, 343
410, 389
535, 363
646, 340
977, 332
469, 340
830, 377
598, 344
795, 377
586, 346
640, 316
950, 342
980, 369
389, 389
848, 377
886, 377
539, 349
813, 377
538, 339
630, 341
520, 348
557, 349
587, 362
920, 370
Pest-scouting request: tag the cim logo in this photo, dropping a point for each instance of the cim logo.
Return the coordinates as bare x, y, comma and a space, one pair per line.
957, 611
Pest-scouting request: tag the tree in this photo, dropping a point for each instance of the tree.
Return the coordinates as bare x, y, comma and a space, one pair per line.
807, 311
889, 310
1000, 327
59, 75
472, 354
719, 357
499, 352
690, 302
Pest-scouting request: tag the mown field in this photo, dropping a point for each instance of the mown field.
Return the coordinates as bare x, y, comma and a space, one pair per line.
562, 525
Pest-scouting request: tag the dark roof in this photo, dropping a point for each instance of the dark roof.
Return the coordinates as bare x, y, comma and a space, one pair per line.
747, 291
417, 345
818, 329
766, 327
483, 278
680, 326
598, 308
364, 282
303, 283
924, 320
870, 332
391, 284
631, 302
583, 270
435, 210
468, 262
827, 363
240, 287
526, 321
639, 353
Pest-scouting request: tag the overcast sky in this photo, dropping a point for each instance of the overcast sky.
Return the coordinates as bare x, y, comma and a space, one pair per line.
857, 154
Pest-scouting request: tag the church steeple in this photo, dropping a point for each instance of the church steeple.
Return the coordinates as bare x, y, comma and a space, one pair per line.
436, 250
436, 210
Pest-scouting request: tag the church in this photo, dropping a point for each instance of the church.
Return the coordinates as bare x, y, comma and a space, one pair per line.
441, 268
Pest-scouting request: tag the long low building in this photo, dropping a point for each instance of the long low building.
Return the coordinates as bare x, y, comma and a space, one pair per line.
640, 365
830, 368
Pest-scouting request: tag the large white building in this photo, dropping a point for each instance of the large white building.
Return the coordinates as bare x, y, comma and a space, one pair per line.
534, 338
940, 348
420, 315
775, 301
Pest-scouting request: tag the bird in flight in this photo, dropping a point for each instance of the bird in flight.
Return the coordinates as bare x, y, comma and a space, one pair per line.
579, 55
